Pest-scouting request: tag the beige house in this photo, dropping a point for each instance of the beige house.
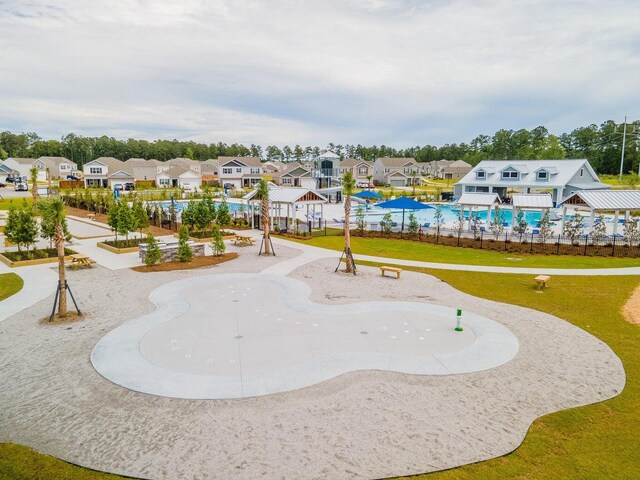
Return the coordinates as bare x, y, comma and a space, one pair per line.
295, 175
179, 177
107, 172
397, 172
59, 167
360, 169
239, 172
193, 165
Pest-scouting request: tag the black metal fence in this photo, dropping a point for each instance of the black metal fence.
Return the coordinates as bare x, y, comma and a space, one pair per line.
587, 245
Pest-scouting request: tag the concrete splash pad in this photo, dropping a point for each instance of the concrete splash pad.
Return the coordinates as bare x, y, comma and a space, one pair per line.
245, 335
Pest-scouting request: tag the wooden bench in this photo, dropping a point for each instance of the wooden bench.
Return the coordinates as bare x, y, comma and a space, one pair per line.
243, 240
395, 270
541, 281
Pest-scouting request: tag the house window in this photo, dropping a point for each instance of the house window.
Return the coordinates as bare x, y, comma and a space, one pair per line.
286, 180
581, 171
481, 174
543, 175
363, 171
238, 170
95, 170
227, 171
63, 166
386, 170
509, 175
163, 181
255, 171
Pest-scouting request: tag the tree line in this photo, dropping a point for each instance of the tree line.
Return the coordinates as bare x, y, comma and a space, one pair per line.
601, 145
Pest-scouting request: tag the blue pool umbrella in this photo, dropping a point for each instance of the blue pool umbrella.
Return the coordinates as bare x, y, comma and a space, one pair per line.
367, 194
404, 203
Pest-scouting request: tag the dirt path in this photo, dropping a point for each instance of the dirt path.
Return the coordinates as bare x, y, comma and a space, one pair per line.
631, 309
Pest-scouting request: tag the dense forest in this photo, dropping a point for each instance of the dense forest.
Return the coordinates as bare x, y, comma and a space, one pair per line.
601, 145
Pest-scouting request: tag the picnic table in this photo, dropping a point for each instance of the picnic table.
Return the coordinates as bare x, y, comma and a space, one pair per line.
79, 260
243, 240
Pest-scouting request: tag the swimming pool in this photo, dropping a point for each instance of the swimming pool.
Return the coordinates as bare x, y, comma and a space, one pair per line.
450, 214
181, 205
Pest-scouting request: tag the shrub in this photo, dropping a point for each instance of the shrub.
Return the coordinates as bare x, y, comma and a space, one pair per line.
154, 255
185, 254
217, 243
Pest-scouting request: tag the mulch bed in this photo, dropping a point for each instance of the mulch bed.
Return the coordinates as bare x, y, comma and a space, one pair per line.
197, 262
102, 218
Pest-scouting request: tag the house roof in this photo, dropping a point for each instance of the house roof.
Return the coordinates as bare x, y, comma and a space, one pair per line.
352, 162
23, 161
459, 166
532, 200
289, 195
6, 168
605, 199
566, 170
248, 161
479, 199
397, 161
177, 170
137, 161
113, 164
55, 161
328, 154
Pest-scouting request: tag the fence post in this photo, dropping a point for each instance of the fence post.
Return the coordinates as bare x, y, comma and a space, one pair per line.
531, 246
558, 245
481, 238
505, 241
613, 247
586, 237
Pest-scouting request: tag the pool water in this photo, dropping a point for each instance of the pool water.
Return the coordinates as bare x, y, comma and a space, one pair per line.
181, 205
449, 214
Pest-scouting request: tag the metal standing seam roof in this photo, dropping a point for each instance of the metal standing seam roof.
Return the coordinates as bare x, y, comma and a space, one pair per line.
479, 199
286, 194
532, 200
609, 199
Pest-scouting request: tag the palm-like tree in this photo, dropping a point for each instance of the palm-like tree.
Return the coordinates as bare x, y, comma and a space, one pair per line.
52, 210
348, 186
263, 195
34, 186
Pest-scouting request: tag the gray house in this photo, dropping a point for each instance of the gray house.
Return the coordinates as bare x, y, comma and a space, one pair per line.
561, 178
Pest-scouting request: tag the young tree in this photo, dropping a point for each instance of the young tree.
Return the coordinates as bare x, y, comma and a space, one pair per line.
48, 227
263, 194
386, 223
33, 172
599, 232
573, 228
496, 227
348, 186
544, 232
154, 255
521, 226
414, 176
217, 243
438, 219
113, 216
361, 224
413, 224
222, 217
631, 231
53, 214
202, 215
189, 216
185, 254
140, 214
21, 227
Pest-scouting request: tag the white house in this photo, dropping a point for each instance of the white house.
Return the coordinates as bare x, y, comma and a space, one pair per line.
107, 172
239, 172
59, 167
23, 165
559, 177
295, 175
397, 172
180, 177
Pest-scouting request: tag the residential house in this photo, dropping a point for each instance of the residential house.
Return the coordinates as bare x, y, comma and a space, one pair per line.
361, 170
59, 167
559, 177
180, 177
193, 165
209, 169
239, 172
295, 175
107, 172
24, 165
6, 171
397, 172
455, 170
435, 167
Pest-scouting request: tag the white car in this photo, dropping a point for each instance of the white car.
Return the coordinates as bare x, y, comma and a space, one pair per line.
363, 185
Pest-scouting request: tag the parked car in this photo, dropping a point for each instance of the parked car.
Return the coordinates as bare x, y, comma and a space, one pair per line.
11, 179
364, 185
129, 186
21, 187
2, 185
73, 178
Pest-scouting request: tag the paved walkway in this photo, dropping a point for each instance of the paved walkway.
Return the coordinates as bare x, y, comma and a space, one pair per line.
39, 283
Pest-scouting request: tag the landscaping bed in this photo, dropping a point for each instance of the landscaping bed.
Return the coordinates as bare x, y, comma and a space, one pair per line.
32, 257
197, 262
121, 246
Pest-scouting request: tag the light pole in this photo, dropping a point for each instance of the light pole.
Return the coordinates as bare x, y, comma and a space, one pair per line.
624, 138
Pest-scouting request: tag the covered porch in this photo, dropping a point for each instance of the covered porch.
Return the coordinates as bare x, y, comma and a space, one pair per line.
600, 201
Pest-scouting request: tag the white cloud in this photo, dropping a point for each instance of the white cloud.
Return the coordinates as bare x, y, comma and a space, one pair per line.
360, 71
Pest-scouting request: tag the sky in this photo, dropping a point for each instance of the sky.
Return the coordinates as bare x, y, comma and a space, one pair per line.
399, 73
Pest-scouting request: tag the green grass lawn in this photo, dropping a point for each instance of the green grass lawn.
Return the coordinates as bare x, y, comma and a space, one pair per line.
10, 283
595, 442
411, 250
7, 203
